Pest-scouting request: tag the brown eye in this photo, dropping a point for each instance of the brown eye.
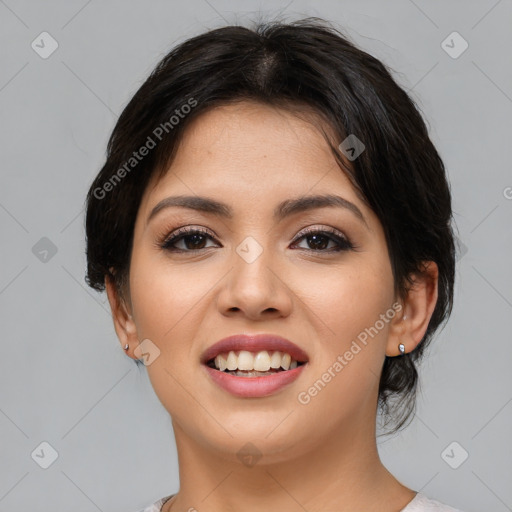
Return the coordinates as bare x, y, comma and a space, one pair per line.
319, 241
190, 240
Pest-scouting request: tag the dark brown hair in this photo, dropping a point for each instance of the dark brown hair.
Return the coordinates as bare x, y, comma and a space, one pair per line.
400, 175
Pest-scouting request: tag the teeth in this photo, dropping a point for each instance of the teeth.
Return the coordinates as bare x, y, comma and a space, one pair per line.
232, 361
240, 373
261, 361
245, 360
275, 360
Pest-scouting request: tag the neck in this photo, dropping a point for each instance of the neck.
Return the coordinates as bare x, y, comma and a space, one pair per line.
344, 474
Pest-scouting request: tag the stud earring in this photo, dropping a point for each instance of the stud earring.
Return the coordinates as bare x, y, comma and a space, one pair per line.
401, 348
126, 346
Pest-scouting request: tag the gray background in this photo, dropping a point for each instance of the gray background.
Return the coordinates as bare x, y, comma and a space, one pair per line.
65, 379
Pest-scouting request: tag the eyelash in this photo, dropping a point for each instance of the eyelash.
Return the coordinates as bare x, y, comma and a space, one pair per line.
343, 243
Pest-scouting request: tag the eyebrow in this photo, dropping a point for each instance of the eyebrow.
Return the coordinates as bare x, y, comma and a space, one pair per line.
283, 209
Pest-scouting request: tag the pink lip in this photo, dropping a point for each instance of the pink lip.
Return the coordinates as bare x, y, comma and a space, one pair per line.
254, 343
253, 387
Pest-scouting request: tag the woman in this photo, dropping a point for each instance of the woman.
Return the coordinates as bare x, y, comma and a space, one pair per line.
273, 230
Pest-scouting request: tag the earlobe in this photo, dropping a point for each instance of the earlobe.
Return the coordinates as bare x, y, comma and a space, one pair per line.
418, 306
124, 324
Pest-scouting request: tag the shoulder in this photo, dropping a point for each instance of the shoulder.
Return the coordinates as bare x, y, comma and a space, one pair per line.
157, 506
422, 503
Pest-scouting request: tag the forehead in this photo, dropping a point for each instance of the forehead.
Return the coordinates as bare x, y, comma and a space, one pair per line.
250, 129
253, 147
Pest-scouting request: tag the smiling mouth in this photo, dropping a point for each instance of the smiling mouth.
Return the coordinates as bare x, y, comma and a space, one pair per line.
243, 363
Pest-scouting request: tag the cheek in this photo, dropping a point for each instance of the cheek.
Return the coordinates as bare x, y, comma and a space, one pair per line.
167, 297
350, 298
347, 302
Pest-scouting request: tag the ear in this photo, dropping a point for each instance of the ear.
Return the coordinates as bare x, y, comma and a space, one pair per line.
409, 326
121, 315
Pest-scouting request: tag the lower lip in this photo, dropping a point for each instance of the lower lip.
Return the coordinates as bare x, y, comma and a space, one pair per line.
254, 387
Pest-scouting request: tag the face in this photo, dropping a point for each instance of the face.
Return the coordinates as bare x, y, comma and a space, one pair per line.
319, 277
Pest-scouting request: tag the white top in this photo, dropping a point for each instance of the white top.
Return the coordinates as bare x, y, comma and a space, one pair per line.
420, 503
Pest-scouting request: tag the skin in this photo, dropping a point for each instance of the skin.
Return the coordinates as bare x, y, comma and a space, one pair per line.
321, 456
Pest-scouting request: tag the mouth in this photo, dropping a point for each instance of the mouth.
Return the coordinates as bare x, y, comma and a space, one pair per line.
243, 363
257, 355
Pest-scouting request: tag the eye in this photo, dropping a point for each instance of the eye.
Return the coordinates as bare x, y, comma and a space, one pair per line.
195, 239
319, 240
191, 239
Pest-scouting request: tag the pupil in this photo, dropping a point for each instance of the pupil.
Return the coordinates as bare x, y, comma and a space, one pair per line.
196, 241
316, 243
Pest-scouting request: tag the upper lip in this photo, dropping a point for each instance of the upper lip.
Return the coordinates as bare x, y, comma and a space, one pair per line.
254, 343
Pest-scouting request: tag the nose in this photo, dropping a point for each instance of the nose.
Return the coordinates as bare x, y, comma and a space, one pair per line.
255, 290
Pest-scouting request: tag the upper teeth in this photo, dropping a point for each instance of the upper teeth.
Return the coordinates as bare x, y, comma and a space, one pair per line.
261, 361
